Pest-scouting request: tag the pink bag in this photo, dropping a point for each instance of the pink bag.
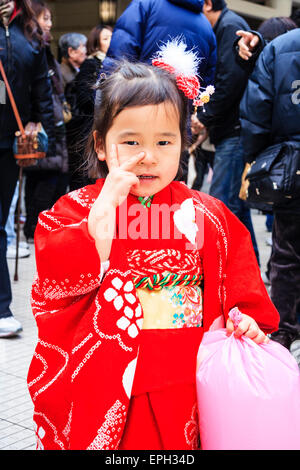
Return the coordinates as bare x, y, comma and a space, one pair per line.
248, 394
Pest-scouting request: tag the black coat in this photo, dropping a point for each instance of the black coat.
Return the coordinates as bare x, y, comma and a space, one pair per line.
270, 108
27, 73
221, 114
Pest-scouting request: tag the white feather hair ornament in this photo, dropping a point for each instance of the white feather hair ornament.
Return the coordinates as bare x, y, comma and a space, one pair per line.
174, 57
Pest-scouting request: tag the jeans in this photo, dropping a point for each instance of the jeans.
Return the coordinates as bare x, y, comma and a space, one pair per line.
10, 223
8, 180
226, 182
285, 271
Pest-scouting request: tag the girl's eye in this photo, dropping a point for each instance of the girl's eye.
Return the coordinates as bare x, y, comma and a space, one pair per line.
131, 142
163, 142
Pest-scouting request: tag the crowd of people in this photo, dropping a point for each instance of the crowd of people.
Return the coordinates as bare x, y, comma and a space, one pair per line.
222, 134
97, 100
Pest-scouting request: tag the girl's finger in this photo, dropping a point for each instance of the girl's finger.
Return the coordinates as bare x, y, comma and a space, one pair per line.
242, 327
132, 161
229, 326
260, 338
114, 161
252, 331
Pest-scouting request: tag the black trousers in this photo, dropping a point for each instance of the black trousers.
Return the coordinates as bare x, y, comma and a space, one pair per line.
285, 270
40, 191
203, 160
9, 172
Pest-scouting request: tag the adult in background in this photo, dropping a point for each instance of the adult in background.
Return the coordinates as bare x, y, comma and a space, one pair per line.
97, 45
270, 114
25, 64
156, 22
49, 180
221, 114
248, 47
72, 48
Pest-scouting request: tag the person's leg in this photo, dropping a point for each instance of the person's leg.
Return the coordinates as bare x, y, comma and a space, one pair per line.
285, 275
201, 165
226, 182
222, 170
10, 223
8, 180
29, 192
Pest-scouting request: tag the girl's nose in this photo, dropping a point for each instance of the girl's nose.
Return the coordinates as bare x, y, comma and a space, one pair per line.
149, 157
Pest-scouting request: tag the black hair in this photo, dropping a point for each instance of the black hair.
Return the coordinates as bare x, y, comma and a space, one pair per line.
131, 84
218, 4
295, 16
273, 27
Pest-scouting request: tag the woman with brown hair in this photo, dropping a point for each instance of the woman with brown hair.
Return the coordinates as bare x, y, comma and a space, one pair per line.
25, 65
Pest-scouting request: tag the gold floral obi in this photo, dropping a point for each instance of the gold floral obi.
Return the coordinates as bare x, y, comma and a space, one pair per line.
169, 285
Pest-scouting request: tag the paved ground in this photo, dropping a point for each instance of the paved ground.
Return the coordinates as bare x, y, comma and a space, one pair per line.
16, 426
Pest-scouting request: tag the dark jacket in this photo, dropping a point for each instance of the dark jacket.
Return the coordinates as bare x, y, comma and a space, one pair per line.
27, 73
145, 24
221, 114
270, 108
59, 162
84, 82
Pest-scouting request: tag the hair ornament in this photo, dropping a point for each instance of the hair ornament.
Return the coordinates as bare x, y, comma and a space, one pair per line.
174, 57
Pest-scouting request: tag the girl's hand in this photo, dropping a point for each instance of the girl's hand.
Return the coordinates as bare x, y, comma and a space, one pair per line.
102, 216
120, 178
247, 327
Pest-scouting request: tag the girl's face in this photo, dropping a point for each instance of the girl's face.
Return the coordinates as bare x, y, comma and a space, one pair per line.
153, 129
45, 21
104, 39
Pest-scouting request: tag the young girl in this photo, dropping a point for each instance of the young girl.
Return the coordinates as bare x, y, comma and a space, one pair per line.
131, 272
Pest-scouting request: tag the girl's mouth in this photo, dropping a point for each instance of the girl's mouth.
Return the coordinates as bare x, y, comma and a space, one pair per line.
146, 177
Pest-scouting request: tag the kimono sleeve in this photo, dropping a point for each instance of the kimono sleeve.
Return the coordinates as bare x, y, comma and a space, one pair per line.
243, 285
68, 263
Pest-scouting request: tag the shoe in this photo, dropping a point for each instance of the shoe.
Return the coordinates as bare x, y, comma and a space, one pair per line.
269, 241
265, 278
24, 245
284, 338
12, 252
9, 326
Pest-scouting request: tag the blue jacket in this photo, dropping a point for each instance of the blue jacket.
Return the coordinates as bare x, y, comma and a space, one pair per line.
27, 73
145, 24
270, 108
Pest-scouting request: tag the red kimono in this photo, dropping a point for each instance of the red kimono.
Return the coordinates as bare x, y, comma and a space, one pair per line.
100, 377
